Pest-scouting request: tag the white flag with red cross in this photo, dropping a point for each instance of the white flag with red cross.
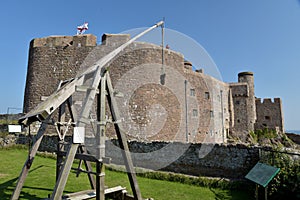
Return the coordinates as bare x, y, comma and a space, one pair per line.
81, 29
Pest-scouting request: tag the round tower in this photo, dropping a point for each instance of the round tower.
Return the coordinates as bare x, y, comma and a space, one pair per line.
51, 60
247, 77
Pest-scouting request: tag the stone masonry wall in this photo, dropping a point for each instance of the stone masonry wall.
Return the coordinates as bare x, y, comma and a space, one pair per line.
176, 110
229, 161
244, 104
52, 60
269, 114
189, 114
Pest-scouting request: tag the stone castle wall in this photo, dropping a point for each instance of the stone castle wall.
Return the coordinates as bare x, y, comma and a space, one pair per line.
269, 114
184, 98
229, 161
169, 102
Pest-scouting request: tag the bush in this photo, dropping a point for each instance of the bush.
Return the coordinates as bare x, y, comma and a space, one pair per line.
288, 179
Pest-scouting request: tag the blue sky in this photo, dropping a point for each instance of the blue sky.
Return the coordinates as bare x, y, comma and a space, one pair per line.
262, 36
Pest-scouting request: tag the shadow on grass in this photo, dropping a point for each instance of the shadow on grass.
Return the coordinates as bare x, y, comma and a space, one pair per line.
7, 188
230, 195
221, 194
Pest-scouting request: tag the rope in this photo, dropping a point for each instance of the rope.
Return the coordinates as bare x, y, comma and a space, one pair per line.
163, 73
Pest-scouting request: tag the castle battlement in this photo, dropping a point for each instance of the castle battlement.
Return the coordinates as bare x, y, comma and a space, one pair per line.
268, 101
239, 89
114, 39
65, 41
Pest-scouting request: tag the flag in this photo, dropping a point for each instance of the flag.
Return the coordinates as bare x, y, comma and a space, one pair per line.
81, 29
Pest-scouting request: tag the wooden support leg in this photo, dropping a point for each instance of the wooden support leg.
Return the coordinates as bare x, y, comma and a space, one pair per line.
123, 142
29, 160
100, 186
100, 139
86, 108
60, 145
64, 174
87, 164
89, 168
59, 157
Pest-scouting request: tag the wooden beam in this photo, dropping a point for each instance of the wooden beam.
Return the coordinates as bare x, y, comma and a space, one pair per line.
60, 145
100, 139
88, 194
81, 156
28, 163
123, 142
87, 164
47, 107
86, 108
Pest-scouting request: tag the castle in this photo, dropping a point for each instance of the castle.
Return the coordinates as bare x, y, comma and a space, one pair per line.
161, 97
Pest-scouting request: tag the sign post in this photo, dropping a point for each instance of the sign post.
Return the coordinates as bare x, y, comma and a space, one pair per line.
262, 174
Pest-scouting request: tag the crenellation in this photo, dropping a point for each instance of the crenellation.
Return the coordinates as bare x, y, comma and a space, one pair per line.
64, 41
267, 100
277, 100
114, 39
239, 89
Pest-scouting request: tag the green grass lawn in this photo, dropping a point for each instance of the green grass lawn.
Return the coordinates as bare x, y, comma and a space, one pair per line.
41, 180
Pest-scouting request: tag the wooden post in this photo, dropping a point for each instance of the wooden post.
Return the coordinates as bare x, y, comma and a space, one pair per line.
100, 139
88, 168
86, 108
87, 164
29, 160
60, 145
123, 142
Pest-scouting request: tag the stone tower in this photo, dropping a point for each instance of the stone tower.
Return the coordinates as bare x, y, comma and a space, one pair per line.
242, 104
51, 60
249, 113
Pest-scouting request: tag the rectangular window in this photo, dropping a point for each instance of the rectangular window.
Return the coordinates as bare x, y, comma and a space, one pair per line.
267, 118
195, 113
211, 114
192, 92
206, 95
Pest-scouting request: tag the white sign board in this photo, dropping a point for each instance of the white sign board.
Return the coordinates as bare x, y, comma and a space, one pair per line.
14, 128
78, 135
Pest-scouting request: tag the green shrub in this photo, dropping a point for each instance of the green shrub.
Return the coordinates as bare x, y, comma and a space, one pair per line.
288, 179
265, 133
